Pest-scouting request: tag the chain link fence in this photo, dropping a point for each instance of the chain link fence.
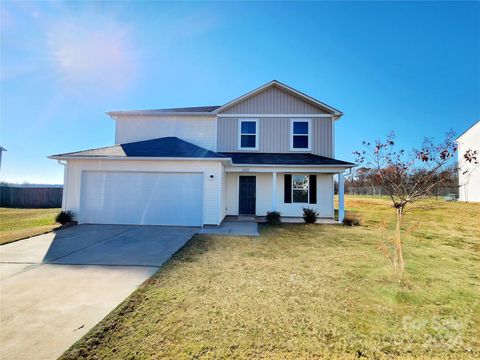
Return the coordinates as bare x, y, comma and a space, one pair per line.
451, 193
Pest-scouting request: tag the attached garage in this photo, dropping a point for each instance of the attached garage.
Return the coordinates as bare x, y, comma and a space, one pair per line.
141, 198
165, 181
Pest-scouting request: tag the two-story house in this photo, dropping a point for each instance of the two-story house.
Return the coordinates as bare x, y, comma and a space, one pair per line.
270, 149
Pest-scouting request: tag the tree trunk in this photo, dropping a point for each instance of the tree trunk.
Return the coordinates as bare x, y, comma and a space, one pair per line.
398, 262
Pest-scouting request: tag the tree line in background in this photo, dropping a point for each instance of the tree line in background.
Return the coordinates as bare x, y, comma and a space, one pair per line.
364, 181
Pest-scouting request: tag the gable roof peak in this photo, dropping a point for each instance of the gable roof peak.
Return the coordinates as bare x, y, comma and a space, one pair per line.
275, 83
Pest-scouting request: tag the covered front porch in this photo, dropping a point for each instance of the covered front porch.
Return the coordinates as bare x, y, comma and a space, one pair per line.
250, 192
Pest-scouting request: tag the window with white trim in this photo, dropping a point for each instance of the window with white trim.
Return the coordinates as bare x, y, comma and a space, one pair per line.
248, 130
300, 135
300, 188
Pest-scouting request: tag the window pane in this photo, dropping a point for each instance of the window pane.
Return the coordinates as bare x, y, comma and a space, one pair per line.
248, 141
300, 142
300, 182
300, 188
248, 127
300, 127
300, 196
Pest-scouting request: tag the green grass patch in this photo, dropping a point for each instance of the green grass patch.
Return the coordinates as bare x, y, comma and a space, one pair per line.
309, 291
18, 224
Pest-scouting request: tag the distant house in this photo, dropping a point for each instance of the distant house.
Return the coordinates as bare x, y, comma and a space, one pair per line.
1, 151
469, 173
270, 149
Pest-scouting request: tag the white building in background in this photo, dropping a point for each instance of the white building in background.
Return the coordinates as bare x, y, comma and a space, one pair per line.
469, 173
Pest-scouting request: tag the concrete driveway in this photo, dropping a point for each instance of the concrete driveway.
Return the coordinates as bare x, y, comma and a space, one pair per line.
55, 287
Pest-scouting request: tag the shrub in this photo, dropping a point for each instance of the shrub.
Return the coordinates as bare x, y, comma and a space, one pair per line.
273, 217
309, 215
351, 220
64, 217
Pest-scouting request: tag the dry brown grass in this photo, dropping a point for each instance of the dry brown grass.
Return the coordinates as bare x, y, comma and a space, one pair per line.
308, 292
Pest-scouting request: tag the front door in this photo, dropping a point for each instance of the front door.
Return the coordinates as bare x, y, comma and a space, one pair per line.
247, 193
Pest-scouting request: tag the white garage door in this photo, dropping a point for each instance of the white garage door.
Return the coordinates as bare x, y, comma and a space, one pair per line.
141, 198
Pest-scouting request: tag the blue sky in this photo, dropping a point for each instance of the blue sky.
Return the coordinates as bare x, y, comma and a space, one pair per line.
411, 67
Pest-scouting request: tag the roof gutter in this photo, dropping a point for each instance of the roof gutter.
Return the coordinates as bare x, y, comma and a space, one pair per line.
291, 165
223, 159
114, 114
67, 157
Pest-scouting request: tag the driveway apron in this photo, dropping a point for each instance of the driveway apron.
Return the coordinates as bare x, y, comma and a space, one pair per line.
55, 287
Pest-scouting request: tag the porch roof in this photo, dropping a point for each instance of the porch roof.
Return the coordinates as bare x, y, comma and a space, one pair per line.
251, 158
173, 147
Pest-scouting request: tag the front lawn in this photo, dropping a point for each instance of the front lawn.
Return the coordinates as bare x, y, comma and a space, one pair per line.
309, 292
18, 224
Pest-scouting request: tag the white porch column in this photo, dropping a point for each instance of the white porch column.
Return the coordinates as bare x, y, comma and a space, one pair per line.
274, 191
341, 189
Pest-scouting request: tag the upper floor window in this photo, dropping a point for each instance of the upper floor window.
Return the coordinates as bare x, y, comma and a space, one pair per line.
248, 134
300, 135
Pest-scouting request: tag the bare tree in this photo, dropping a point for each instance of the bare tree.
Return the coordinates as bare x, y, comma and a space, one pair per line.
406, 177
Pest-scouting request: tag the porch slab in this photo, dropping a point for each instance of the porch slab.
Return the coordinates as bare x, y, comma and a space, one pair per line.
285, 219
232, 228
299, 220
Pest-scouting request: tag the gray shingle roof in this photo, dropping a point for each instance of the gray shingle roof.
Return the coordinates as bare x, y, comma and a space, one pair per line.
177, 148
162, 147
283, 159
211, 110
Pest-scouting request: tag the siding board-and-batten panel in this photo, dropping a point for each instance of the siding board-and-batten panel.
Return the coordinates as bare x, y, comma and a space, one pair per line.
227, 133
273, 101
274, 135
322, 141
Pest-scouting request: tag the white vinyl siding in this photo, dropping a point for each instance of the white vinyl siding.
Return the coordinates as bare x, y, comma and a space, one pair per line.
263, 202
212, 201
469, 173
201, 131
324, 205
223, 191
